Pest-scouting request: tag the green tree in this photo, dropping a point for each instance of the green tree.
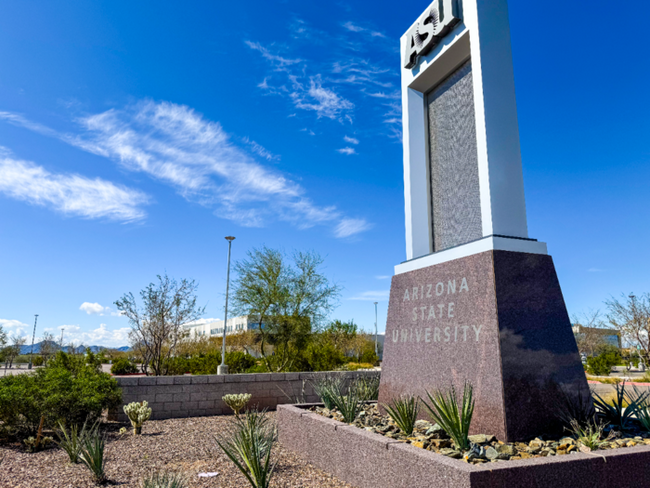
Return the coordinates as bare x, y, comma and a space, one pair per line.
158, 327
287, 297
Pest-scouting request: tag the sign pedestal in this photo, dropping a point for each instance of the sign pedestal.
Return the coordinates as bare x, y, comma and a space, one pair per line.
496, 319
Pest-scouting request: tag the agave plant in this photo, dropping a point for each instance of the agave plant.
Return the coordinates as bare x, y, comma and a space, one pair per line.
249, 444
624, 407
572, 407
455, 419
92, 455
404, 412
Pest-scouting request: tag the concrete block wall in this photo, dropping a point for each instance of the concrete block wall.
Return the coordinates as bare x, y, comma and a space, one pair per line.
197, 396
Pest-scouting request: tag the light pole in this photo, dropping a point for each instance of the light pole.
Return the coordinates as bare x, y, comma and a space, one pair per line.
376, 345
33, 337
223, 369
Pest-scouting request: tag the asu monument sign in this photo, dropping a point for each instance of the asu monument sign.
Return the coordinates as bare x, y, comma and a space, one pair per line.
477, 299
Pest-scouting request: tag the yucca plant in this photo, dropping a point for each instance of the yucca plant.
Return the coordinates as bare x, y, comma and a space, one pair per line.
455, 419
368, 387
164, 480
92, 455
325, 387
404, 412
349, 404
623, 407
249, 444
71, 441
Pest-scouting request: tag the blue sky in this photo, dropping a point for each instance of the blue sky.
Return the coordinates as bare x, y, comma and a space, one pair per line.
134, 136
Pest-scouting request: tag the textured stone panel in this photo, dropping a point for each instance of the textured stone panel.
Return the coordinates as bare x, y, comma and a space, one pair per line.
453, 161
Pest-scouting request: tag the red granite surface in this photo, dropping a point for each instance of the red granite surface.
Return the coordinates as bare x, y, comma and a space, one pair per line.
496, 319
368, 460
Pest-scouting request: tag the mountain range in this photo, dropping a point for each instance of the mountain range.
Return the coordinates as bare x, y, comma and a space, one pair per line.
37, 348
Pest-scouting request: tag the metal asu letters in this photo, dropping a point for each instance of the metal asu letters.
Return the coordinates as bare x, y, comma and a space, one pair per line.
433, 25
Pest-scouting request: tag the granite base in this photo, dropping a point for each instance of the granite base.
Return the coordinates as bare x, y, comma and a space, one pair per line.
368, 460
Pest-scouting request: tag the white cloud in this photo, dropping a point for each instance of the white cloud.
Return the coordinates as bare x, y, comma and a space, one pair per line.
350, 227
351, 140
324, 101
9, 324
101, 336
347, 150
174, 144
374, 296
93, 308
69, 194
382, 277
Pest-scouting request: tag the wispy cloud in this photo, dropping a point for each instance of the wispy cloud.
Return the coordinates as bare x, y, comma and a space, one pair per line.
324, 101
363, 30
280, 62
174, 144
351, 140
69, 194
261, 150
347, 150
372, 296
382, 277
350, 227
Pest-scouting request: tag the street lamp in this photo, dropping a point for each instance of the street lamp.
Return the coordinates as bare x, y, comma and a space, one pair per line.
376, 346
223, 369
31, 352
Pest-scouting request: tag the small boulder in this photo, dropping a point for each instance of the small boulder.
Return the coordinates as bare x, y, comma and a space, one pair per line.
481, 439
452, 453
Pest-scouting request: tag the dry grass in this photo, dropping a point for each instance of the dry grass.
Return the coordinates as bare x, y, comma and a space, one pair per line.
606, 380
179, 445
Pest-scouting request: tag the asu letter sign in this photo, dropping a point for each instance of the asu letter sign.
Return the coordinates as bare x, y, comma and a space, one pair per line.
426, 33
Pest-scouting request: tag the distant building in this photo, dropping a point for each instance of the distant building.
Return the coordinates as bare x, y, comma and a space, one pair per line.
608, 336
215, 329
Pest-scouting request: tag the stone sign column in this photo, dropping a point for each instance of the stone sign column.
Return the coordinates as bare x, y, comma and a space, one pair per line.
477, 300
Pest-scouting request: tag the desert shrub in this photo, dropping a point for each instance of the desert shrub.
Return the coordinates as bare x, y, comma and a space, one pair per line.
239, 362
208, 363
38, 361
123, 366
72, 393
358, 366
454, 418
248, 444
607, 357
368, 387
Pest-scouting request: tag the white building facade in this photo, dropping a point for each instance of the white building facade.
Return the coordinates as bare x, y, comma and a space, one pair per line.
215, 329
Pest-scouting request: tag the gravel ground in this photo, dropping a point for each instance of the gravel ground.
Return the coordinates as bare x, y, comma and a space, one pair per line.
179, 445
